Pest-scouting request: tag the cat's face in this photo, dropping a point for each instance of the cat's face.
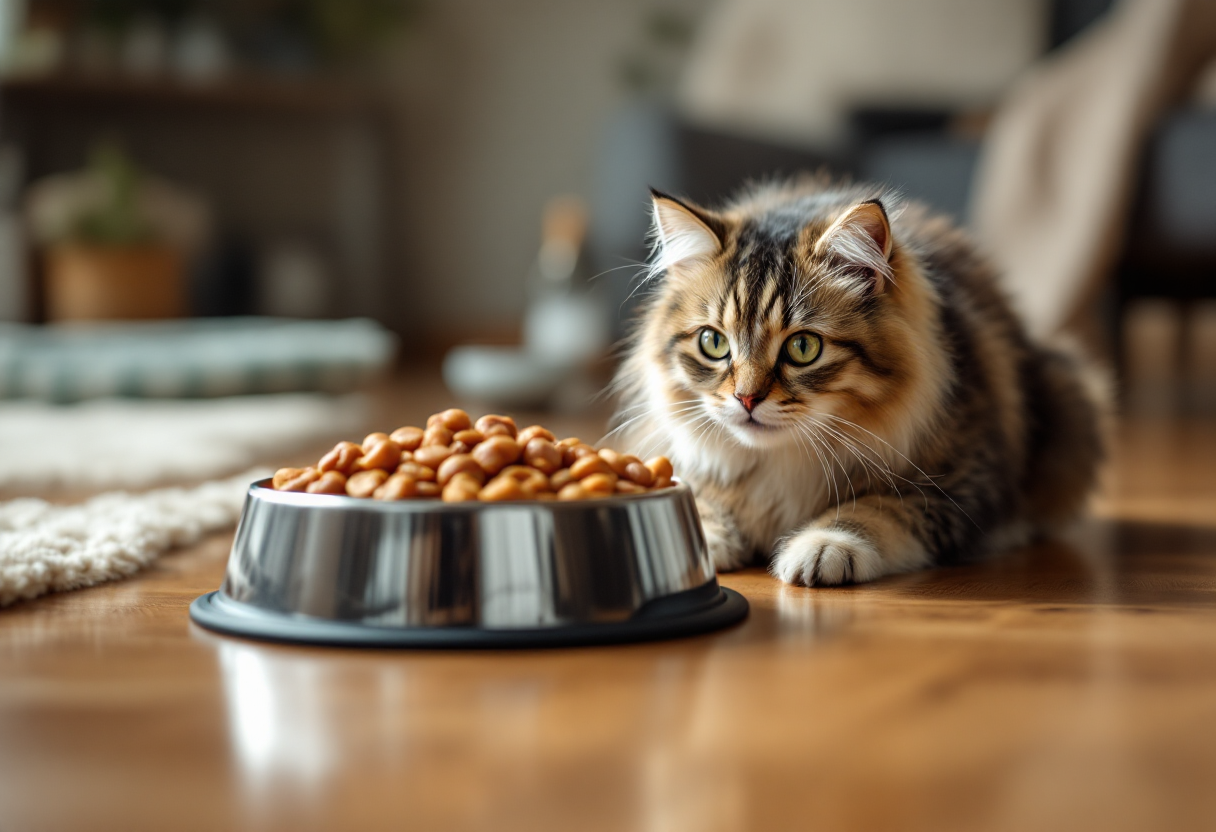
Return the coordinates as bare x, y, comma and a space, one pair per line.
773, 327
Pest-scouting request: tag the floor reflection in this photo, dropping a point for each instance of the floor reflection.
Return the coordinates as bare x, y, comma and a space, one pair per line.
1092, 566
484, 738
276, 719
806, 615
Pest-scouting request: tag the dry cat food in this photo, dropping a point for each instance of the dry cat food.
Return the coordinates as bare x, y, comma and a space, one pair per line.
459, 461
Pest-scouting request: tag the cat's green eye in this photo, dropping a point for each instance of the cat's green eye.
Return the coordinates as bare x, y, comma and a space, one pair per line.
803, 347
714, 344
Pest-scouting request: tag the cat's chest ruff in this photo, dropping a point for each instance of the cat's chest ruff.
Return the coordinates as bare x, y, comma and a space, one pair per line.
769, 492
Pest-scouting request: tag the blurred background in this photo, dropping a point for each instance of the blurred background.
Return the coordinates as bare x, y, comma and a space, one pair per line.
305, 195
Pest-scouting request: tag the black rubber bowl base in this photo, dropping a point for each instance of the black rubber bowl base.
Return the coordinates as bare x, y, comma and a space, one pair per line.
706, 609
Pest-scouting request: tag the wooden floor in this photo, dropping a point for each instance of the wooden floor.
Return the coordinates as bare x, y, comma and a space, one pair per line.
1069, 686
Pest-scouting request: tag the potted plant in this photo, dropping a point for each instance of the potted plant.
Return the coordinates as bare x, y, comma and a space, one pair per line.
106, 258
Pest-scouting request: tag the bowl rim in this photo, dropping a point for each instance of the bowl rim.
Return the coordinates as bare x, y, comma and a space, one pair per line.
261, 490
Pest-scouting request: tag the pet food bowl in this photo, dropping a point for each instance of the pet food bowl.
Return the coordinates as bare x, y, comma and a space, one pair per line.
338, 570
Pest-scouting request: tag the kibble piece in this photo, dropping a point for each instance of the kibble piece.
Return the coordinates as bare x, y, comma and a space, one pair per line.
542, 455
495, 425
295, 479
454, 419
436, 435
615, 461
626, 461
629, 487
469, 436
588, 465
460, 464
330, 482
468, 479
660, 466
561, 479
342, 458
573, 491
496, 453
532, 481
283, 475
599, 484
568, 442
619, 462
462, 488
396, 487
637, 472
501, 489
529, 433
432, 455
428, 489
574, 453
417, 470
661, 482
365, 483
410, 439
383, 453
374, 439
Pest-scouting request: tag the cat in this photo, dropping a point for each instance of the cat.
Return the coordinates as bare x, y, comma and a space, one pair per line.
836, 374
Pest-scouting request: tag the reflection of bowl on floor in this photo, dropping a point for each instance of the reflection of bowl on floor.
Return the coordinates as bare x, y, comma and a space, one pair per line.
337, 570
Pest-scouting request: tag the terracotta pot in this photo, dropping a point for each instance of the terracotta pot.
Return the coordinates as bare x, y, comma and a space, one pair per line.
89, 283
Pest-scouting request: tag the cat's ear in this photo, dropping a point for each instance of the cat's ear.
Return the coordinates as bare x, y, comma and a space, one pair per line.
682, 231
861, 238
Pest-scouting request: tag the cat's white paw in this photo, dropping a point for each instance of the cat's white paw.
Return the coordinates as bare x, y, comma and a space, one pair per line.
826, 557
727, 548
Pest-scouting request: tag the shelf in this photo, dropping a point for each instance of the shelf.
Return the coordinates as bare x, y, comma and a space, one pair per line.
311, 97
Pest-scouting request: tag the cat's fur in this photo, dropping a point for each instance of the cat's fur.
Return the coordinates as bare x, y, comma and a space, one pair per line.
930, 430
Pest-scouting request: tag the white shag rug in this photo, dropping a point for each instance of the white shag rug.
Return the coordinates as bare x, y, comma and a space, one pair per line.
47, 548
138, 443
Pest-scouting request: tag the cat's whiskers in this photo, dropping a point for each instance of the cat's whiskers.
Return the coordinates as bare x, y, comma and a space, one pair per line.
647, 444
648, 273
812, 455
866, 464
652, 407
833, 486
632, 264
650, 410
928, 479
878, 464
703, 426
844, 472
693, 433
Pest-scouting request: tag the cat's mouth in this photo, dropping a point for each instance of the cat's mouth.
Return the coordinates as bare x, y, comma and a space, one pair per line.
753, 426
753, 433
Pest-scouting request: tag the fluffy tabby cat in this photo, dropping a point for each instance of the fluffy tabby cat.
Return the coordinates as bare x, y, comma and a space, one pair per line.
839, 379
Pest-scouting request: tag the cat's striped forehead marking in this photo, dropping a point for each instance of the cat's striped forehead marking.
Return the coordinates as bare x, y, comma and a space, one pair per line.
762, 281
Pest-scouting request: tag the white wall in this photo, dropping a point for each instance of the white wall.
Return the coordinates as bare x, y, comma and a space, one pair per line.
502, 107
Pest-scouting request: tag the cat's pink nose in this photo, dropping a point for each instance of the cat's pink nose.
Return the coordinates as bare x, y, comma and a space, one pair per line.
750, 401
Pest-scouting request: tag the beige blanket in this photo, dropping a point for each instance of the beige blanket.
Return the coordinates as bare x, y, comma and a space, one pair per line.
1060, 164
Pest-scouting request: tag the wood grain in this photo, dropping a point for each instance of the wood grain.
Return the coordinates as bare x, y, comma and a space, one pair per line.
1070, 685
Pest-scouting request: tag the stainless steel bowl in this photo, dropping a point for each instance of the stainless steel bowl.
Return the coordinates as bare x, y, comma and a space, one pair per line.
333, 569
